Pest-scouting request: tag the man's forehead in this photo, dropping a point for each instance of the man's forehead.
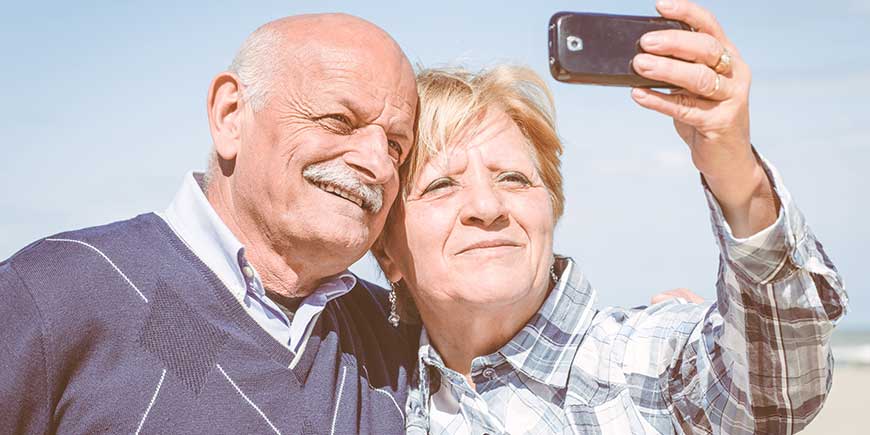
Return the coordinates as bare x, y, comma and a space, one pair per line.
357, 79
319, 53
360, 94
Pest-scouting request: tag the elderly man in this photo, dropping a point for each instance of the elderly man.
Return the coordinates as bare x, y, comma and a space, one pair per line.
222, 314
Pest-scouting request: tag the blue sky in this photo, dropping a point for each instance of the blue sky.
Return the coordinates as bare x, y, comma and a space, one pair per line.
104, 112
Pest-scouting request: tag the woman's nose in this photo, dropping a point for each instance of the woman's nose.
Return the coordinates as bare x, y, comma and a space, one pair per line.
483, 207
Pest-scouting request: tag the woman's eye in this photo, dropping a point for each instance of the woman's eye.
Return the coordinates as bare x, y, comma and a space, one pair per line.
439, 184
514, 178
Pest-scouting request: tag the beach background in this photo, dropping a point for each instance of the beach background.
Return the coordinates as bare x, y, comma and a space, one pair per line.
845, 412
103, 114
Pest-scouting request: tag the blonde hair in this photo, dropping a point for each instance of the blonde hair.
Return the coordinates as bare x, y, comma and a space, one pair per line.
452, 99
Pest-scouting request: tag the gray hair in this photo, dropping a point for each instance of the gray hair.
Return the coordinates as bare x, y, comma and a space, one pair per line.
255, 64
332, 175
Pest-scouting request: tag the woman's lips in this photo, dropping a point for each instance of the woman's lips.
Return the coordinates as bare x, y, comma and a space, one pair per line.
488, 246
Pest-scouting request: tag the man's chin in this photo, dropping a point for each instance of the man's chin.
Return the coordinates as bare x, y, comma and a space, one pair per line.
343, 238
343, 232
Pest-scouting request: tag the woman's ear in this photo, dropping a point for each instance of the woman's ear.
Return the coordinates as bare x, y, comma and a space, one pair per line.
385, 261
405, 304
224, 114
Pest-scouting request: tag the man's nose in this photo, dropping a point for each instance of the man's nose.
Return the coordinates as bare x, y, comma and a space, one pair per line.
370, 156
484, 206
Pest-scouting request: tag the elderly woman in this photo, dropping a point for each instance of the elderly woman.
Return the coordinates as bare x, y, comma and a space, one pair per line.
513, 341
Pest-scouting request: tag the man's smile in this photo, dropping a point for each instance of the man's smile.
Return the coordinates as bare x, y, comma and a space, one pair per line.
344, 194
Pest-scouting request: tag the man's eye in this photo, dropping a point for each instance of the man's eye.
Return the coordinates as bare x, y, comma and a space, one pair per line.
439, 184
337, 123
514, 178
395, 150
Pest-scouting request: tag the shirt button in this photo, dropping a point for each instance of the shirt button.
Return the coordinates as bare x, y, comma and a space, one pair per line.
489, 372
248, 271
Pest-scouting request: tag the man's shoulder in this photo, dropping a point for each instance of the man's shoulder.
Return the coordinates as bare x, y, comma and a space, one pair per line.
372, 304
372, 292
54, 248
371, 308
83, 254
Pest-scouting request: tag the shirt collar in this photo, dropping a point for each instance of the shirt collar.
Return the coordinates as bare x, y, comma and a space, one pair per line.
195, 222
545, 348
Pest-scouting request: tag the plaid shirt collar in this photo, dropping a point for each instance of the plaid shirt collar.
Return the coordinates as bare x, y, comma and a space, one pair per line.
545, 348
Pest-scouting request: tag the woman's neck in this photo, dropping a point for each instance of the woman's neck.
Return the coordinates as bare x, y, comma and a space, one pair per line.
461, 332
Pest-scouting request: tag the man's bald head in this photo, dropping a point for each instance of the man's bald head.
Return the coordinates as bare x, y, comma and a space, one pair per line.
272, 49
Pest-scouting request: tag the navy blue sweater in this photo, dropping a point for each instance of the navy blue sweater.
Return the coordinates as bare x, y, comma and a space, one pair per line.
120, 328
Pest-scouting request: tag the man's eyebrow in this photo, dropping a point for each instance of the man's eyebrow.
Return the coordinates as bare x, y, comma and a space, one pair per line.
360, 112
401, 134
354, 108
403, 127
395, 125
337, 106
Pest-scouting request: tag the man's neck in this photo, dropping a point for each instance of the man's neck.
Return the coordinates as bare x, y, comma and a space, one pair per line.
283, 275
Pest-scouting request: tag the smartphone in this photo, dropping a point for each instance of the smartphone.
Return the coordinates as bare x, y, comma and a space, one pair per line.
598, 48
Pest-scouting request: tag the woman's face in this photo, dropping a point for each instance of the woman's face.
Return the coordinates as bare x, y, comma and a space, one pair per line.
477, 224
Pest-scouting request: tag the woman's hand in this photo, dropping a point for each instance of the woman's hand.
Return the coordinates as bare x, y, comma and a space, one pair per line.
677, 293
710, 112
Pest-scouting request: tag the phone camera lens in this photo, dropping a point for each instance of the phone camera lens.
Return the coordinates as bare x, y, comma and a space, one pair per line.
574, 43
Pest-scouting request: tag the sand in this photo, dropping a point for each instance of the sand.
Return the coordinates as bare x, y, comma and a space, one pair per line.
848, 405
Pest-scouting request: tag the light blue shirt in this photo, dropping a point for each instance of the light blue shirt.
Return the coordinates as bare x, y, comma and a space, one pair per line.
195, 222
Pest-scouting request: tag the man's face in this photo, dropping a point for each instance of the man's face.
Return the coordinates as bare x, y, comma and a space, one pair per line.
317, 166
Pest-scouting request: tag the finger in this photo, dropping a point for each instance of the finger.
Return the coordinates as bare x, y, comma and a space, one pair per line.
695, 16
688, 46
679, 293
688, 295
661, 297
695, 299
693, 77
685, 108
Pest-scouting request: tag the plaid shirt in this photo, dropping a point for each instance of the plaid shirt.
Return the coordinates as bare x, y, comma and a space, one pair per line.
756, 361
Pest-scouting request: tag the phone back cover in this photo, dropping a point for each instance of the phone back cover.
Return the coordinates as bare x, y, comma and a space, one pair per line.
598, 48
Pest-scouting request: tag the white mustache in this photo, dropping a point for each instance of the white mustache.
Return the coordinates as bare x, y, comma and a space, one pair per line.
338, 175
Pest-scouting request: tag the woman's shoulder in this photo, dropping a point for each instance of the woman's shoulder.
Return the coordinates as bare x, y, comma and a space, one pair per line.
641, 339
670, 312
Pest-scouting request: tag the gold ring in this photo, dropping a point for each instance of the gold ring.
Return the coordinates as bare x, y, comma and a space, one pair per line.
724, 64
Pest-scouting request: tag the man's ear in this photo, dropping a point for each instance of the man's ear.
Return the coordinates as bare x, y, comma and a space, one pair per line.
387, 264
225, 114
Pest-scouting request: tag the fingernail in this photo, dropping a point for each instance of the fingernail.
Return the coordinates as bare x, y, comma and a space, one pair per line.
638, 93
644, 62
664, 5
650, 40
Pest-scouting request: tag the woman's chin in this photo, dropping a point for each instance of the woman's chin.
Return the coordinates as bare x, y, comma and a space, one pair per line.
496, 291
499, 282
